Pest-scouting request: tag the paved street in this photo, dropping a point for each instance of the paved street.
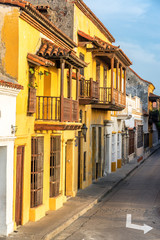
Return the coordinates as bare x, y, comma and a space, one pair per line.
138, 195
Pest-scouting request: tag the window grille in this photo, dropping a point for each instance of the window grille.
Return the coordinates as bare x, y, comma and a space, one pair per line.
37, 150
140, 136
131, 142
55, 150
84, 167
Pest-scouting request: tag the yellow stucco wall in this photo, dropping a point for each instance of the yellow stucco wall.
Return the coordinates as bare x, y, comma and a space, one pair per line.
9, 37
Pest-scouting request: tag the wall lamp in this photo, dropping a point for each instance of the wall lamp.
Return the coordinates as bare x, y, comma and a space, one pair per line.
13, 129
84, 129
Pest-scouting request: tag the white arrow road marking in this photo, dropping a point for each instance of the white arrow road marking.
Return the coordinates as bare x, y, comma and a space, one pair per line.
144, 228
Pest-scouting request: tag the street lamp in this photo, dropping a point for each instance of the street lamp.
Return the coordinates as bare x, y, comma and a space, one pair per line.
84, 130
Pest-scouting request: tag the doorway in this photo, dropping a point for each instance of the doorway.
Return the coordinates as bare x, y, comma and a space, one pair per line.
19, 185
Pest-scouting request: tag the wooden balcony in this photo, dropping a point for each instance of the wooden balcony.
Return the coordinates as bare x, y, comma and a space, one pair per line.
56, 109
56, 113
101, 97
88, 91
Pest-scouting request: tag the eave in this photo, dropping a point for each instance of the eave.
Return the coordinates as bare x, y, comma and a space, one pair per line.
87, 11
39, 61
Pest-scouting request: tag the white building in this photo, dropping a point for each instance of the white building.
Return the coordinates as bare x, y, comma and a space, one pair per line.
9, 90
124, 135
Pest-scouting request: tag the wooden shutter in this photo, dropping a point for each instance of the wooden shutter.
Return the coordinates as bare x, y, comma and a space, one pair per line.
55, 149
19, 185
37, 171
32, 100
131, 142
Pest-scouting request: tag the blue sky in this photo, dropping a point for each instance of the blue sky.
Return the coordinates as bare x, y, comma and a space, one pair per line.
135, 24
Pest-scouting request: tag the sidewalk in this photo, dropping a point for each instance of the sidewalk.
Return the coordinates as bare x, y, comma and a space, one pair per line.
56, 221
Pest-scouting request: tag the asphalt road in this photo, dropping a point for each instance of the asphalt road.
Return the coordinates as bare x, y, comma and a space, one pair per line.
137, 197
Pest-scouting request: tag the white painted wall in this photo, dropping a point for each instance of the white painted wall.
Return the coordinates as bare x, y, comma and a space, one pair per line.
7, 110
7, 119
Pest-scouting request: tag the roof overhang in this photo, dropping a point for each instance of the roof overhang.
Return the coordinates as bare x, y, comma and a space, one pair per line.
39, 61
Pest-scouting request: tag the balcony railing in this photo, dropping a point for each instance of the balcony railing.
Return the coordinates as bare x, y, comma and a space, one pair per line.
90, 92
56, 109
89, 89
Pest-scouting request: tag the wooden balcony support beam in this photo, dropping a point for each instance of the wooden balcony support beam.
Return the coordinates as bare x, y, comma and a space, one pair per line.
62, 66
117, 73
77, 83
112, 78
125, 83
121, 78
70, 81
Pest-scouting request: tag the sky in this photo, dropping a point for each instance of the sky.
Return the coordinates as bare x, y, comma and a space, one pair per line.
135, 25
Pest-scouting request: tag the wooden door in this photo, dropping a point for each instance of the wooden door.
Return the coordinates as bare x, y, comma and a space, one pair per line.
79, 160
93, 153
19, 185
47, 95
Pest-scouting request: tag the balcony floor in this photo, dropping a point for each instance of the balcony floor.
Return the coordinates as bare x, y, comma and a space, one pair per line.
108, 106
41, 125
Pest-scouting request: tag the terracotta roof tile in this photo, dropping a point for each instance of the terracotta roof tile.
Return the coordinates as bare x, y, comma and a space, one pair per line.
50, 49
153, 95
39, 60
10, 84
86, 36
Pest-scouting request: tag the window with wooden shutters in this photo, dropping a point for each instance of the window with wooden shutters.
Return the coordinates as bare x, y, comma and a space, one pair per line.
31, 100
37, 153
140, 136
55, 150
97, 71
131, 142
81, 56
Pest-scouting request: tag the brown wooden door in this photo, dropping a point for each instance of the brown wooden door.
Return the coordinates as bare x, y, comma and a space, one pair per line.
19, 184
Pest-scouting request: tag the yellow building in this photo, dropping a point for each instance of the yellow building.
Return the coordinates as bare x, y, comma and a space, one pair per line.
41, 58
101, 86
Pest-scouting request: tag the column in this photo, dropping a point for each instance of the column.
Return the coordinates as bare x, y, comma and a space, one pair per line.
121, 78
117, 68
108, 146
70, 81
62, 64
112, 80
